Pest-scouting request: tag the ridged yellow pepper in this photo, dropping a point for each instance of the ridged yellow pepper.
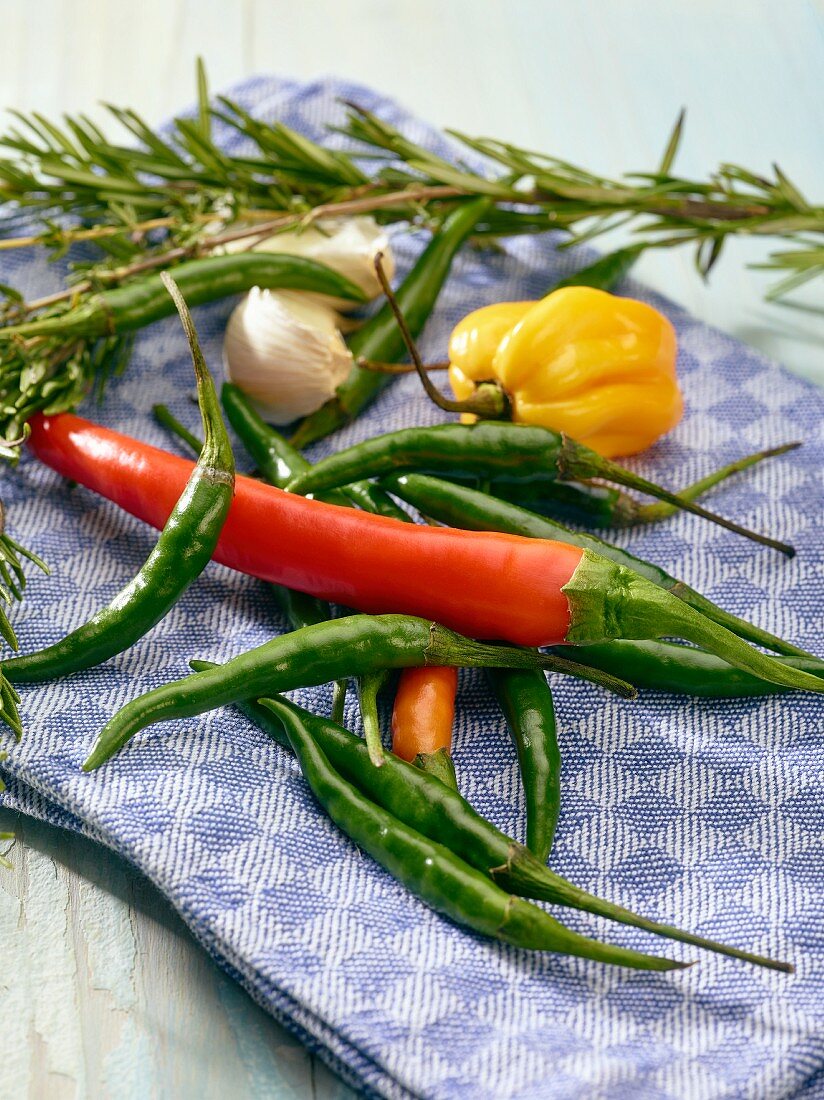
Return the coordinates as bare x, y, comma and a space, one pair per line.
581, 361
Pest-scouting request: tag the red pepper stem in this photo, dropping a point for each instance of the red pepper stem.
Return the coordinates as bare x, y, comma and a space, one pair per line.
651, 513
489, 402
581, 462
609, 601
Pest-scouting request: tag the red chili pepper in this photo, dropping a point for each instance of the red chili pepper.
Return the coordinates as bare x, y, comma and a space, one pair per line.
482, 584
532, 592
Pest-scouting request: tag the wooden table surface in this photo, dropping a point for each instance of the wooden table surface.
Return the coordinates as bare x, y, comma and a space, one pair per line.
103, 991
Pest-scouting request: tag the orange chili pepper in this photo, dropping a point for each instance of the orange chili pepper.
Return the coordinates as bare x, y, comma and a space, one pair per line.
424, 711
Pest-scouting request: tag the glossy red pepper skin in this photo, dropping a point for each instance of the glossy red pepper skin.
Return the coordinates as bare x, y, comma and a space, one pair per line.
483, 584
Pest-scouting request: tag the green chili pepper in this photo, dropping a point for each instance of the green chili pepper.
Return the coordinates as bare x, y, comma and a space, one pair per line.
279, 462
315, 655
518, 454
380, 338
182, 551
433, 872
684, 670
603, 506
434, 809
526, 701
144, 300
469, 509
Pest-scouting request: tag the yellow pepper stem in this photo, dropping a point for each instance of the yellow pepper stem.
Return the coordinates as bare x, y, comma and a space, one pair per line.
489, 402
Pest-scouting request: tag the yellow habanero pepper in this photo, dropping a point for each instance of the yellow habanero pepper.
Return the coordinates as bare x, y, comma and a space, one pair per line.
581, 361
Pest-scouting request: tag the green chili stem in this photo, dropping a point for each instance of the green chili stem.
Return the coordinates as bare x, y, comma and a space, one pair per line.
166, 418
581, 462
439, 765
651, 513
369, 686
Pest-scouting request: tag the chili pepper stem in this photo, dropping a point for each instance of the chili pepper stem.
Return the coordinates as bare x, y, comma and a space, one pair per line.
580, 462
524, 875
369, 687
438, 764
339, 690
651, 513
609, 601
490, 402
749, 631
166, 418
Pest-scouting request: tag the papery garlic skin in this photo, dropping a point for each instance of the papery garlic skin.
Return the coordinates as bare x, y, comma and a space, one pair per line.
347, 245
284, 350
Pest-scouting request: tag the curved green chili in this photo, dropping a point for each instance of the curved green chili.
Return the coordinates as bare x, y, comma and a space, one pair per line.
469, 509
520, 454
526, 701
380, 338
315, 655
436, 874
144, 300
183, 549
684, 670
433, 808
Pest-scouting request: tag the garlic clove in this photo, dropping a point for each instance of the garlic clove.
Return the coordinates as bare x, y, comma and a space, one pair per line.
284, 350
347, 245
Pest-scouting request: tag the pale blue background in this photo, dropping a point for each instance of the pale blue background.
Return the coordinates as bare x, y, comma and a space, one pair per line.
599, 82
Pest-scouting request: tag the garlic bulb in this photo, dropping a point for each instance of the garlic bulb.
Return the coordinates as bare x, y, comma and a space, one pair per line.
347, 245
285, 352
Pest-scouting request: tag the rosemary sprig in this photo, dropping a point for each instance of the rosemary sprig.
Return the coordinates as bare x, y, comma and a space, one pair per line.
174, 195
12, 585
187, 188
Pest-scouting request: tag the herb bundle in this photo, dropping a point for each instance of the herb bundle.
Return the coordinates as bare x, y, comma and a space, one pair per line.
178, 194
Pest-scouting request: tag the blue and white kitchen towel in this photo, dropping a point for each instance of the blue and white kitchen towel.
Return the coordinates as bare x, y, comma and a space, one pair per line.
706, 814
